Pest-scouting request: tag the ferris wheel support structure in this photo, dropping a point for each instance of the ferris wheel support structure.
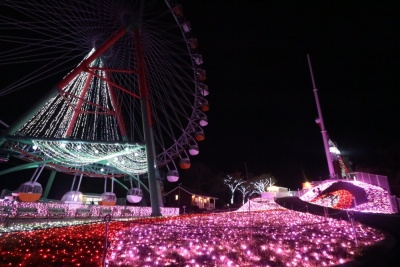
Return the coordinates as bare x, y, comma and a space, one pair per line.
155, 193
42, 102
130, 92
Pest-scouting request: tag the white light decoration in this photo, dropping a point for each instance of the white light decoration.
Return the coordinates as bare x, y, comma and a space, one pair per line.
129, 158
334, 150
83, 110
70, 210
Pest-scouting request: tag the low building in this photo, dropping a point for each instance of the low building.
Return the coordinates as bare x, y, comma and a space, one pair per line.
91, 198
189, 200
277, 191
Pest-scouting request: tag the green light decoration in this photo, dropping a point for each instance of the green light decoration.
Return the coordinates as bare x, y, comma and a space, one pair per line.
129, 158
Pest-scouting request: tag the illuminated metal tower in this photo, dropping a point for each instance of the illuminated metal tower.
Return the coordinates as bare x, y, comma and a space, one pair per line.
320, 121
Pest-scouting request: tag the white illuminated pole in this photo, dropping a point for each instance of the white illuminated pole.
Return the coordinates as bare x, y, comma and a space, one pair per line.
323, 131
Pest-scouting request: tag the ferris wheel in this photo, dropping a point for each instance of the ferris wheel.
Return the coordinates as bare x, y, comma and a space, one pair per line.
129, 77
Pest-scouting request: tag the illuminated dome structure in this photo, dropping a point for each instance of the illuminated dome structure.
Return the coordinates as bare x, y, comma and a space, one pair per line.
72, 197
132, 101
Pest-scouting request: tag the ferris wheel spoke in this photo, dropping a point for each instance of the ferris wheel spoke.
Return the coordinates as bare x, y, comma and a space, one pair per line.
54, 37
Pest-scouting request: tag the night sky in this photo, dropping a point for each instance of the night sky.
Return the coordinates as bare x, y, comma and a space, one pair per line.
261, 95
262, 103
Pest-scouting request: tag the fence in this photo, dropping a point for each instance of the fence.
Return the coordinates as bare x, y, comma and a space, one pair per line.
374, 179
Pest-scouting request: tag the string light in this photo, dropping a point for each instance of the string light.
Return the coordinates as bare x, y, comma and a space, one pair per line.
96, 122
268, 235
70, 209
378, 198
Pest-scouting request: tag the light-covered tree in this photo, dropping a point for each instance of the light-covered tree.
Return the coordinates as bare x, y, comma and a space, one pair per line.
233, 185
245, 189
262, 182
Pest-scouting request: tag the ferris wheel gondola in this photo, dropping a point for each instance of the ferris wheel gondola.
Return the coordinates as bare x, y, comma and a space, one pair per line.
29, 191
173, 176
134, 195
74, 196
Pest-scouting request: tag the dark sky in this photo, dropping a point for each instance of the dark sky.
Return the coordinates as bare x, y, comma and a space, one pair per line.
261, 96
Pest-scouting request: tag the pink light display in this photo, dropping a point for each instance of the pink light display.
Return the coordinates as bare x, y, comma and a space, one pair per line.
261, 233
378, 198
340, 199
94, 209
268, 236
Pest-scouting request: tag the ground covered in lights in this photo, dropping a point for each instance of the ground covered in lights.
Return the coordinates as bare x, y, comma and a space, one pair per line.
261, 233
350, 195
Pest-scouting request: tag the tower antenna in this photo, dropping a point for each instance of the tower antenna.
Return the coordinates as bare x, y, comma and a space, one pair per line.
320, 121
